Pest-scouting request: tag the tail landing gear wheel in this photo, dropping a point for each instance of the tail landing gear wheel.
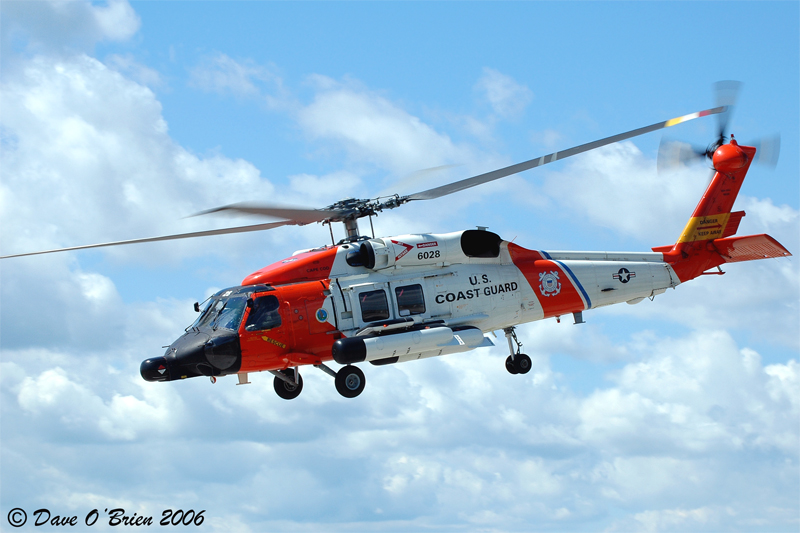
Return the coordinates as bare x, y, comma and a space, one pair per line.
517, 363
286, 390
510, 366
350, 381
521, 364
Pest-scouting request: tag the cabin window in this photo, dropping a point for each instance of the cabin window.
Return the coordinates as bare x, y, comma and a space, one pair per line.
264, 314
410, 300
374, 306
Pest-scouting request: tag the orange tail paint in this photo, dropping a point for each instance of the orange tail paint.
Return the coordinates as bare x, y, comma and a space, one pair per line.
706, 240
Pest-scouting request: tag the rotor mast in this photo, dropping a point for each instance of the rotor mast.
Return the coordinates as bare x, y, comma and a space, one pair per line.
349, 210
351, 228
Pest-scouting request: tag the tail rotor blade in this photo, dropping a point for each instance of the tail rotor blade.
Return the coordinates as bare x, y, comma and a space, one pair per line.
768, 149
726, 94
672, 154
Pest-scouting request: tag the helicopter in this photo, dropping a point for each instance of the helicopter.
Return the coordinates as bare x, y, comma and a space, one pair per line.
389, 300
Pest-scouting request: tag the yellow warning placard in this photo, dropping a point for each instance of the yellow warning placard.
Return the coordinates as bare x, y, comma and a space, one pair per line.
705, 227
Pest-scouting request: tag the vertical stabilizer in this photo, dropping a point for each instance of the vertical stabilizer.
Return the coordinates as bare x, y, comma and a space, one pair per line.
706, 240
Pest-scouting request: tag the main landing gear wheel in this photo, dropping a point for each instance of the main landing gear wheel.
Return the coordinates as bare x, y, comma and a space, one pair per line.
510, 366
286, 390
350, 381
521, 364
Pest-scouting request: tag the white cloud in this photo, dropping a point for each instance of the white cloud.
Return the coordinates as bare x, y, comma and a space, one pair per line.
699, 393
768, 214
116, 20
551, 139
57, 27
221, 73
617, 187
373, 129
317, 190
679, 519
103, 175
507, 97
133, 69
443, 443
53, 394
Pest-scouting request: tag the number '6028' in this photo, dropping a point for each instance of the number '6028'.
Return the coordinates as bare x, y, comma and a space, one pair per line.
428, 255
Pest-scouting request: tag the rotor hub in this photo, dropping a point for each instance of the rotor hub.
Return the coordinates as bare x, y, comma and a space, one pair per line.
730, 158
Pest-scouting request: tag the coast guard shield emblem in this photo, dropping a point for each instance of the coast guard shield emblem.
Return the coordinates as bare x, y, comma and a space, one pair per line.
549, 284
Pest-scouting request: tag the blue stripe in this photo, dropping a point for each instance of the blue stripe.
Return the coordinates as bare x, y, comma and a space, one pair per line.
545, 254
578, 283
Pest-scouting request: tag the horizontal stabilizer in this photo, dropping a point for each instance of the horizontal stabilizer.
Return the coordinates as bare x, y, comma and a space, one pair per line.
663, 249
733, 224
749, 248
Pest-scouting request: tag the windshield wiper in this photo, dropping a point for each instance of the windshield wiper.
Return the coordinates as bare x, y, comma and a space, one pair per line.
214, 321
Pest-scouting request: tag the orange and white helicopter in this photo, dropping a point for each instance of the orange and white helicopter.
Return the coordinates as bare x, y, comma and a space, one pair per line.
395, 299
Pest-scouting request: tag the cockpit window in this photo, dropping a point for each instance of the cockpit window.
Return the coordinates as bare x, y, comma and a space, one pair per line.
222, 313
264, 315
230, 315
208, 314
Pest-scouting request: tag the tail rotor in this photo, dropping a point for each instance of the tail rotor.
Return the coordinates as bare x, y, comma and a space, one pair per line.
672, 153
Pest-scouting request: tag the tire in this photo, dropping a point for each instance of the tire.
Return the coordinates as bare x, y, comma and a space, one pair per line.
286, 390
510, 366
350, 381
522, 363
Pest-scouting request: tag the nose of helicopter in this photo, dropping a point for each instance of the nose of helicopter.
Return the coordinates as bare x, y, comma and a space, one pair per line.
155, 369
213, 353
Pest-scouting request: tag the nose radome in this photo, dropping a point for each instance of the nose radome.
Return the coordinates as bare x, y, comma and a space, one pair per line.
155, 369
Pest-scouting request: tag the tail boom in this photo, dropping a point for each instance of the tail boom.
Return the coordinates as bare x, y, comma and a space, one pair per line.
707, 240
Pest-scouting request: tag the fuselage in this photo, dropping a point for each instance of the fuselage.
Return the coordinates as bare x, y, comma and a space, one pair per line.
403, 298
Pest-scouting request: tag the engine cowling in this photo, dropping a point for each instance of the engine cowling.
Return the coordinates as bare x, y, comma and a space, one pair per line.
425, 249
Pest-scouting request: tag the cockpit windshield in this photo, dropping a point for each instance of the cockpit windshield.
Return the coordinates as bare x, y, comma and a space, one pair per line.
223, 312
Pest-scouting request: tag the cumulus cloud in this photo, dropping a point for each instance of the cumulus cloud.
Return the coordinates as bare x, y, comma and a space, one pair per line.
372, 128
697, 392
53, 394
223, 74
617, 187
451, 442
507, 98
56, 27
133, 69
759, 298
92, 148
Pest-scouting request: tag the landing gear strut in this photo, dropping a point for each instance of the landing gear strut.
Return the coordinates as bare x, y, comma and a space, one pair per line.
517, 362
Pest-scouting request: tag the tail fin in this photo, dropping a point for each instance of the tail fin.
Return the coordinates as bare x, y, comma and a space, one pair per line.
706, 241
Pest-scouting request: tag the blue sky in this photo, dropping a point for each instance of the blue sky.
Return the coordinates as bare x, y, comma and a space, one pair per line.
121, 119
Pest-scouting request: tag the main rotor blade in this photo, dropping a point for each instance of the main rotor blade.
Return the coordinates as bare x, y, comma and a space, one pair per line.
225, 231
437, 192
296, 215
